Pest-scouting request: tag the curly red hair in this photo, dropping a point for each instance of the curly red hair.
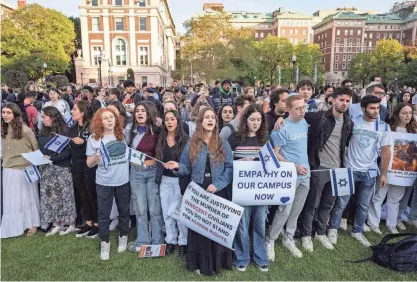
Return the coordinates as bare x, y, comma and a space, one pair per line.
97, 125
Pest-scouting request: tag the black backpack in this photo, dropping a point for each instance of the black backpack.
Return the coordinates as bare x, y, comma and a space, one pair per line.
400, 256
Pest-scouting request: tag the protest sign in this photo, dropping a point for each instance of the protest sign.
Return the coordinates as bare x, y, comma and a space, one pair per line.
210, 215
252, 186
148, 251
402, 169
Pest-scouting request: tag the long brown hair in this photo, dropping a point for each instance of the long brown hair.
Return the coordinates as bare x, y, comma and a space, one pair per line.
162, 140
58, 125
215, 147
98, 129
394, 121
16, 123
262, 132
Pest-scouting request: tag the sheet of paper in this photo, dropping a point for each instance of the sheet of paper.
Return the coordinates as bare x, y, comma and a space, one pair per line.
36, 158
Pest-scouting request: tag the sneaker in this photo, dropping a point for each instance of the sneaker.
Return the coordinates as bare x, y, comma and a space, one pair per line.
412, 222
332, 236
264, 268
361, 238
68, 230
374, 229
367, 228
392, 230
241, 268
105, 250
307, 243
401, 226
122, 244
54, 230
270, 249
343, 224
93, 233
114, 224
324, 241
85, 229
290, 245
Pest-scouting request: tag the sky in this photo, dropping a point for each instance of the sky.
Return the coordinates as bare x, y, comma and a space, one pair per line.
183, 10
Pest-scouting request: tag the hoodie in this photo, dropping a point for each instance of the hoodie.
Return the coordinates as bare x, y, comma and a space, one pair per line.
222, 97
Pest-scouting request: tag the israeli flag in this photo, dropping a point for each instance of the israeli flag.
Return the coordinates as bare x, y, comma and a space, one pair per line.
373, 171
136, 157
32, 174
268, 158
58, 143
105, 155
342, 182
68, 118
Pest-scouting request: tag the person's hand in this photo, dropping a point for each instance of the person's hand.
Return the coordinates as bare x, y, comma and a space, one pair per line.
279, 123
171, 165
127, 97
78, 140
211, 188
97, 158
301, 170
158, 122
46, 157
383, 181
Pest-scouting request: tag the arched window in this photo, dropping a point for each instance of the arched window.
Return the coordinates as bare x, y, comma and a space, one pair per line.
120, 53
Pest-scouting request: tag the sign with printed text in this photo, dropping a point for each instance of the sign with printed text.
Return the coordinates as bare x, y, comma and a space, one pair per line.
210, 215
252, 186
402, 169
149, 251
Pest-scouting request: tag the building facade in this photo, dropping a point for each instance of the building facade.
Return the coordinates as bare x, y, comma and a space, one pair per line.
123, 34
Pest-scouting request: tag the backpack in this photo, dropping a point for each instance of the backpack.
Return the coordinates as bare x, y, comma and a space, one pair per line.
400, 256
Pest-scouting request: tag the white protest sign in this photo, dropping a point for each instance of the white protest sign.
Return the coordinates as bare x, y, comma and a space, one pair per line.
210, 215
253, 187
402, 169
36, 158
149, 251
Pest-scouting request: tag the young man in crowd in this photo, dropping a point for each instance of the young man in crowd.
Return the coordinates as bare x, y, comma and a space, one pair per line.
31, 112
129, 97
114, 94
369, 135
278, 107
88, 95
240, 104
328, 136
225, 96
291, 146
101, 96
305, 88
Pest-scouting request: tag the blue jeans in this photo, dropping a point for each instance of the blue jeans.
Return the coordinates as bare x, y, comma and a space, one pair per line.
364, 191
145, 197
241, 242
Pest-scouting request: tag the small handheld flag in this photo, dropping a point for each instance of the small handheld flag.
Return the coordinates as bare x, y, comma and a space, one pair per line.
268, 158
68, 119
136, 157
58, 143
32, 174
342, 182
105, 155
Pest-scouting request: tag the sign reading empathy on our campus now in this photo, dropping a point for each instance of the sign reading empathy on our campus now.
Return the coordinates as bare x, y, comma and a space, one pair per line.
252, 186
210, 215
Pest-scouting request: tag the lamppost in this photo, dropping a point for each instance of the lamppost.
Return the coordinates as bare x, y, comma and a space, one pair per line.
99, 58
294, 61
82, 81
45, 66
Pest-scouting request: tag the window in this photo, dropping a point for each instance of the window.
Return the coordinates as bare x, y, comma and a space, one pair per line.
296, 41
142, 24
390, 36
95, 24
141, 3
304, 41
358, 49
379, 27
96, 51
349, 49
262, 35
291, 32
365, 35
348, 65
385, 36
370, 43
343, 66
94, 3
345, 41
338, 32
350, 40
337, 41
358, 42
118, 2
370, 36
377, 36
346, 32
336, 66
304, 31
118, 23
256, 35
349, 58
120, 52
344, 58
397, 36
283, 32
143, 56
296, 31
144, 79
359, 32
336, 57
325, 35
386, 27
351, 32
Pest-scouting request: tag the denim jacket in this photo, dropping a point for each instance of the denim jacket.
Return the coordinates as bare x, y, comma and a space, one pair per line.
221, 173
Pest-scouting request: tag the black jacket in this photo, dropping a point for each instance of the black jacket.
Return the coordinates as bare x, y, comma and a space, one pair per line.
321, 127
271, 118
62, 159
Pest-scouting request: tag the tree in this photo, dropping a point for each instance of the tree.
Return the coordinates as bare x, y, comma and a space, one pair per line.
77, 30
59, 80
361, 68
387, 59
408, 74
34, 35
130, 74
15, 79
309, 58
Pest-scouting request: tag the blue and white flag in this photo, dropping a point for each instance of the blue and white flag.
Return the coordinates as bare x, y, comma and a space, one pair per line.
342, 182
68, 118
268, 158
58, 143
104, 155
136, 157
373, 171
32, 174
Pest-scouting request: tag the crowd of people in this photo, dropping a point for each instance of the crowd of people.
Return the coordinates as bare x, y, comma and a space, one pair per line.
195, 134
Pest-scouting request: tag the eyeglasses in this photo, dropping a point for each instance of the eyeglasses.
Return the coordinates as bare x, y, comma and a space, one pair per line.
379, 93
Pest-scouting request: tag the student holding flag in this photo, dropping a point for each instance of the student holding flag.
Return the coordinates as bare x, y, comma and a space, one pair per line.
171, 143
20, 197
251, 136
107, 149
290, 143
56, 189
369, 135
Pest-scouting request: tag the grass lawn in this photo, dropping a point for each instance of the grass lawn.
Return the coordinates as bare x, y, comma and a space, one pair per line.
70, 258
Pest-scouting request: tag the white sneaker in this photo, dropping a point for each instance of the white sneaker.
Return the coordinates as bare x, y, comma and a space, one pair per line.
324, 241
392, 230
412, 222
374, 229
361, 238
366, 228
332, 236
343, 224
241, 268
122, 244
114, 224
270, 249
69, 229
307, 243
401, 226
53, 231
105, 250
290, 245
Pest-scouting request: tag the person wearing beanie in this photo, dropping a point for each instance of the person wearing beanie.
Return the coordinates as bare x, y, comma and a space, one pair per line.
225, 96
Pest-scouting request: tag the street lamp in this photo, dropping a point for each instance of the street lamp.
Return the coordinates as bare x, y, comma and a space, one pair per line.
45, 66
294, 61
82, 81
99, 58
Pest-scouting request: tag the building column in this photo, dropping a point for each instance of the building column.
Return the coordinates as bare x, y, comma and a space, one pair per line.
84, 36
332, 49
106, 29
132, 39
78, 64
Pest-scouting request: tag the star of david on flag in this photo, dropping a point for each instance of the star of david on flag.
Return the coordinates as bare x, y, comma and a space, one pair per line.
58, 143
342, 182
32, 174
268, 158
136, 157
